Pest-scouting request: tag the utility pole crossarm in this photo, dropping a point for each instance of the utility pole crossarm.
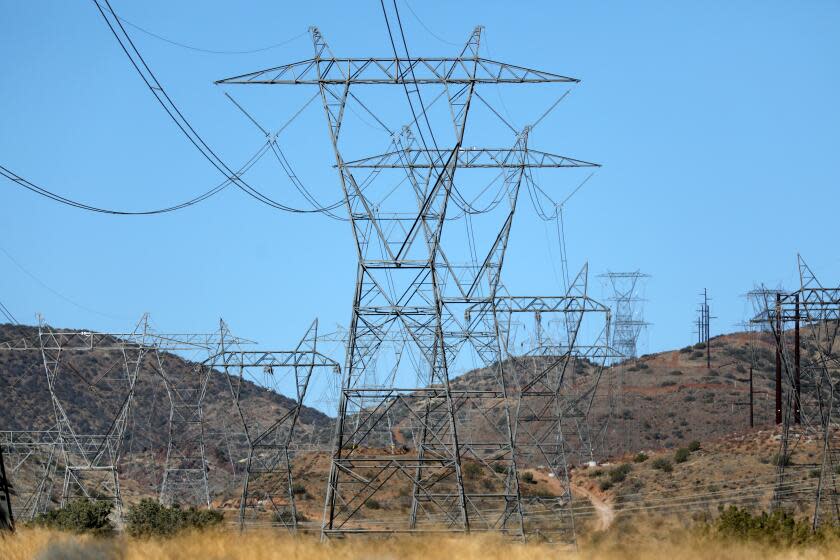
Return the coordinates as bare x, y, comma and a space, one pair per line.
458, 70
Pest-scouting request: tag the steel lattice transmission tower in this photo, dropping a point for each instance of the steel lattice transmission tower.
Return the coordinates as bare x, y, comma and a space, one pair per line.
807, 382
416, 280
628, 312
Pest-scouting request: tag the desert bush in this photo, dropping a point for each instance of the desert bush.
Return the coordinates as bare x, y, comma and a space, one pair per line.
740, 369
500, 468
681, 455
643, 365
298, 489
150, 518
694, 446
685, 350
371, 503
79, 516
662, 464
777, 527
472, 471
689, 398
668, 383
619, 473
675, 372
594, 473
700, 346
528, 477
696, 354
640, 457
605, 485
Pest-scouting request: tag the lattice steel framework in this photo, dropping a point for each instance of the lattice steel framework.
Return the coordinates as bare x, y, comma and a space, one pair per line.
628, 313
553, 404
415, 284
268, 488
808, 387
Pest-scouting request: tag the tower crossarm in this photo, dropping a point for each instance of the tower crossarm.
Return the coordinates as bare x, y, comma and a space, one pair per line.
434, 70
469, 157
270, 359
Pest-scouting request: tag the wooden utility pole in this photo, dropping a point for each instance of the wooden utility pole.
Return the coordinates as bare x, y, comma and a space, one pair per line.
7, 521
778, 359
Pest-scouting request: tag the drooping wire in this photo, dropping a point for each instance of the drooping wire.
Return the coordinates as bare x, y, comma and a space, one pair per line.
426, 27
208, 51
29, 185
284, 162
154, 85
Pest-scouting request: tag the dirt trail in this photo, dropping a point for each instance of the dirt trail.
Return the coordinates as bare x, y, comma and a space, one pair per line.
603, 509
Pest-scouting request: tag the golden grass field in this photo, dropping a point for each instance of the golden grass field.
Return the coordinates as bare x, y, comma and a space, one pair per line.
679, 545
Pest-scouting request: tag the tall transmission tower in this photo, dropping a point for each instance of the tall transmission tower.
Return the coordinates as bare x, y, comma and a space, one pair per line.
628, 312
416, 280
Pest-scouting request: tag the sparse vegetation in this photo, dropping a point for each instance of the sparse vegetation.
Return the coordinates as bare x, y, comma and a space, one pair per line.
681, 455
472, 471
662, 464
371, 503
619, 473
694, 446
782, 459
640, 457
79, 516
150, 518
777, 527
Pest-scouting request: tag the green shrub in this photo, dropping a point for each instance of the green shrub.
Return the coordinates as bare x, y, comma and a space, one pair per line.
681, 455
150, 518
662, 464
619, 473
298, 489
528, 477
605, 485
694, 446
79, 516
373, 504
640, 457
778, 527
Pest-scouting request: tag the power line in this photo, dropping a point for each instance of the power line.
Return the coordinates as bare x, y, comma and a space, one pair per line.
157, 89
8, 314
29, 185
208, 51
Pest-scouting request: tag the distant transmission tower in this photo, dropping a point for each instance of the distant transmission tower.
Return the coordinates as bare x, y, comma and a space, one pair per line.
628, 313
703, 321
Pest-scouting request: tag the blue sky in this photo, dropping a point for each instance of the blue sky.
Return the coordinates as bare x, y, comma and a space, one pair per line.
716, 123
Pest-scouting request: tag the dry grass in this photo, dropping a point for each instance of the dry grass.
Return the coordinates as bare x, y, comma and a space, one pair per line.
45, 545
